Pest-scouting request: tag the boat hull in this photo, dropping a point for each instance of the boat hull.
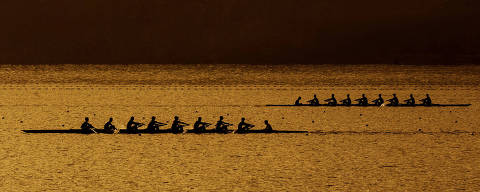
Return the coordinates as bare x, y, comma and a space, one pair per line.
373, 105
268, 131
208, 131
79, 131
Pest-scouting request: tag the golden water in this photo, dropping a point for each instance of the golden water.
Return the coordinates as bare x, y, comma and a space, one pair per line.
378, 149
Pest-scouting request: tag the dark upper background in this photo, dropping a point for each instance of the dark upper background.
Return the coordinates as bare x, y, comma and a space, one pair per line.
240, 31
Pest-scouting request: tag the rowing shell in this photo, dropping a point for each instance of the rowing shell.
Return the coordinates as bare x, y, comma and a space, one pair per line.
124, 131
373, 105
79, 131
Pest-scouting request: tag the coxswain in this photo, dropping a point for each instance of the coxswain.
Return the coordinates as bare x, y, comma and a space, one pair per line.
87, 127
332, 101
427, 101
379, 101
347, 101
132, 126
199, 125
297, 102
268, 127
393, 101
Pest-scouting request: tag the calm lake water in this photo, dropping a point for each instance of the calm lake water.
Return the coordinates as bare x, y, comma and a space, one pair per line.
347, 149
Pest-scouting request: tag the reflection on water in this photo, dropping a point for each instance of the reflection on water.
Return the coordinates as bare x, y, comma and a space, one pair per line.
349, 149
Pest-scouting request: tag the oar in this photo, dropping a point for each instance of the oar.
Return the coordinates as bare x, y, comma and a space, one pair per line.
93, 129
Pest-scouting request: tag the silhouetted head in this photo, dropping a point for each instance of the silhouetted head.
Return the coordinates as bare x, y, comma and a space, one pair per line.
411, 95
333, 95
428, 95
363, 95
379, 95
243, 119
176, 117
199, 118
299, 98
221, 117
153, 117
315, 96
86, 119
395, 95
110, 120
132, 118
266, 122
348, 95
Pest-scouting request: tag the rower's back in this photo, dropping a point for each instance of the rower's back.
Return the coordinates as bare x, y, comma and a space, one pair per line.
152, 126
241, 125
86, 126
197, 124
131, 126
427, 101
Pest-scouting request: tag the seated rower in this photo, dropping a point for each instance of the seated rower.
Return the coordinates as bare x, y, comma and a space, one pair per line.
363, 101
410, 101
393, 101
87, 127
332, 101
347, 101
200, 126
314, 101
243, 126
109, 127
427, 101
132, 126
379, 101
177, 125
221, 125
268, 126
154, 125
297, 102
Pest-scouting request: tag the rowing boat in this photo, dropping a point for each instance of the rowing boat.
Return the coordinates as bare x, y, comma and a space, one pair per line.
79, 131
143, 131
208, 131
373, 105
268, 131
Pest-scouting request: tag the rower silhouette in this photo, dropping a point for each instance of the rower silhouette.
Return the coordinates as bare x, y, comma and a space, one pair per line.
154, 125
177, 125
297, 102
87, 127
314, 101
243, 126
363, 101
347, 101
379, 101
427, 101
332, 101
200, 126
109, 127
132, 126
393, 101
410, 101
222, 126
268, 127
